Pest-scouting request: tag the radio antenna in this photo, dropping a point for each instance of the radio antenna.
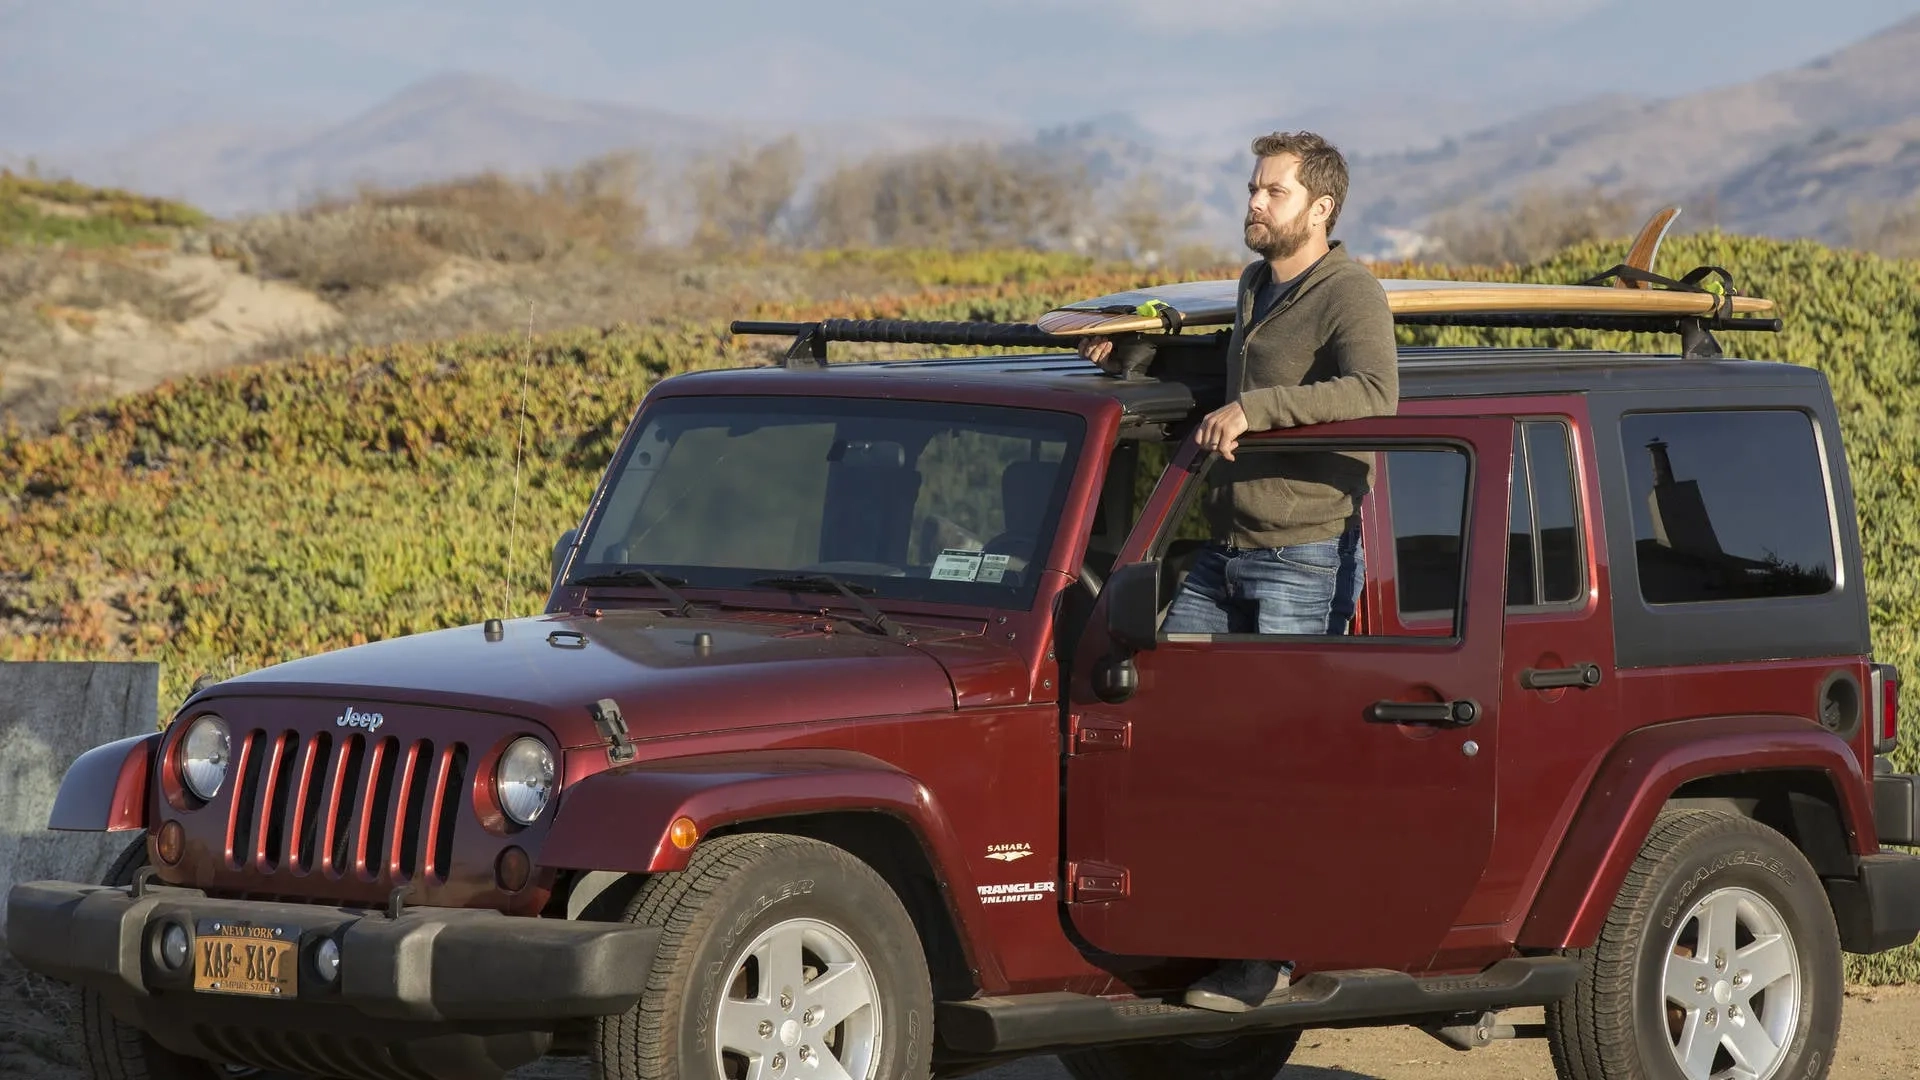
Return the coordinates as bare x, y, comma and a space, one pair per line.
513, 517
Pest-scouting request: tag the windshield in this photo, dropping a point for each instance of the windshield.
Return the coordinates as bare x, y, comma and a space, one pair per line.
912, 500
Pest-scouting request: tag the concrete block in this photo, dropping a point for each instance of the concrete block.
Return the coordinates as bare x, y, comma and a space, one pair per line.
51, 713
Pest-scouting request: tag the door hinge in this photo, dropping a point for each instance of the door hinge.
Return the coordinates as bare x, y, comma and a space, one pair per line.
1091, 735
1095, 882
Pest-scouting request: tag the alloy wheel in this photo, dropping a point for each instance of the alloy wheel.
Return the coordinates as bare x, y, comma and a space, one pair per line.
801, 1002
1731, 982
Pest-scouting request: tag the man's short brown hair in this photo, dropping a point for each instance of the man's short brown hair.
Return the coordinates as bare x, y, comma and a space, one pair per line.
1322, 170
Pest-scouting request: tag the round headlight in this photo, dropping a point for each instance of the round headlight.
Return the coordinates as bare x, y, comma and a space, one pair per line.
203, 757
524, 780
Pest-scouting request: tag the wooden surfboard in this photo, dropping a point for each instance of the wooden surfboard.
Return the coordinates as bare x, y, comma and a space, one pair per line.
1212, 303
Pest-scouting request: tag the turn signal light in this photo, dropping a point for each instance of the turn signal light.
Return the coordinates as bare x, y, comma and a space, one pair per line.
513, 869
683, 833
172, 843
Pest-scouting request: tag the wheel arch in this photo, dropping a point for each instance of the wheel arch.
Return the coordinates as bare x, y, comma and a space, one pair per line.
1801, 804
1788, 770
864, 806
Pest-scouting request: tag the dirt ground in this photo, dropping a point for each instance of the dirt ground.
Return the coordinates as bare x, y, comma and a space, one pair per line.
1880, 1038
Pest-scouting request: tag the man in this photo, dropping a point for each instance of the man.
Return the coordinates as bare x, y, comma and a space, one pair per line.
1312, 343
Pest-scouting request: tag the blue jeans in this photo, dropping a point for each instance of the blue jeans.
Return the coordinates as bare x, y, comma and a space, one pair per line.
1298, 589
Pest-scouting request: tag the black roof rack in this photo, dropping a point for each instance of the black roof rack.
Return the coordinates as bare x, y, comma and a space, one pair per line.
809, 348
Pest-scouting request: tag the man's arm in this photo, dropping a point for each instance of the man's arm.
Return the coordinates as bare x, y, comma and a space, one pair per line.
1369, 359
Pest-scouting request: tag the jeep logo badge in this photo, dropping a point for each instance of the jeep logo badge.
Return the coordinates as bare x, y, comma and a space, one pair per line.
351, 718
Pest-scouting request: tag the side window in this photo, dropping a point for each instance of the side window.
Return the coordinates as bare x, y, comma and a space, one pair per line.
1279, 489
1728, 505
1427, 501
1545, 557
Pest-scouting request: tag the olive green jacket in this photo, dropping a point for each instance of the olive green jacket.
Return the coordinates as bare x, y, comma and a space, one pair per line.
1326, 353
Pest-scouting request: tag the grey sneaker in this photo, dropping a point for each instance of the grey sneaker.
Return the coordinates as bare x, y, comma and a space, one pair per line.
1239, 985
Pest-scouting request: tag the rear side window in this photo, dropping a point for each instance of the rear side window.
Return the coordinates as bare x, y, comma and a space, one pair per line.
1728, 505
1545, 559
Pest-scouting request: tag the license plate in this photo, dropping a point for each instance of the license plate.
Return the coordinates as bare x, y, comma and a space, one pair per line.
257, 961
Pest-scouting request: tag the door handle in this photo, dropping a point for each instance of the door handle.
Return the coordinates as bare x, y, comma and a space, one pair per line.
1449, 714
1580, 675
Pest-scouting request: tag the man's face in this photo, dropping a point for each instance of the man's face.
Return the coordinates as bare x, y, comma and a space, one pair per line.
1281, 216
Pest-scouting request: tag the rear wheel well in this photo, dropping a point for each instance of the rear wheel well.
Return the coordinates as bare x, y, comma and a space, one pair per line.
895, 852
1800, 804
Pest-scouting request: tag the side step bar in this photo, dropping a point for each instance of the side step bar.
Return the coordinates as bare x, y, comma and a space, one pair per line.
1045, 1021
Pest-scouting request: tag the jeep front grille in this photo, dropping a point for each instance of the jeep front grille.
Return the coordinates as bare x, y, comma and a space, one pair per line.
362, 806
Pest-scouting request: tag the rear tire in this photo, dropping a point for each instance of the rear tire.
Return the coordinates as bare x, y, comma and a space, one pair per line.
774, 945
119, 1051
1719, 959
1249, 1057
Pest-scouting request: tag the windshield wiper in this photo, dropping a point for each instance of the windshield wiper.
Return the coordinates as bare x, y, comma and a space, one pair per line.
829, 583
662, 583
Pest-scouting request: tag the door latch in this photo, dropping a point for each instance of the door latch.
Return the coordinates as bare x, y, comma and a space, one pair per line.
1446, 714
1580, 675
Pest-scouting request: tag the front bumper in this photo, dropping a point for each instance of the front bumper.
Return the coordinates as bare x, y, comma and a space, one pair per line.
438, 992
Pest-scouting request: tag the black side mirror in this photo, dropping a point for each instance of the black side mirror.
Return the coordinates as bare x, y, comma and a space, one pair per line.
560, 554
1132, 594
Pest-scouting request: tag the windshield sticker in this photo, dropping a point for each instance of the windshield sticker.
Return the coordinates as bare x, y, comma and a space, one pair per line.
953, 565
992, 568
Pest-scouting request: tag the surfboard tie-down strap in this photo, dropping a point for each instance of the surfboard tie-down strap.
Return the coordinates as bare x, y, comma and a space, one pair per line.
1168, 315
1712, 280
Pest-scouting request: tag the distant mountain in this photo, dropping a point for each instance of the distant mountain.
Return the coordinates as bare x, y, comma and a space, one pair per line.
1789, 154
458, 124
1784, 154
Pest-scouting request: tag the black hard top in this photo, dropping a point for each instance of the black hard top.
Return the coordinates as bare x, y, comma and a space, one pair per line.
1425, 372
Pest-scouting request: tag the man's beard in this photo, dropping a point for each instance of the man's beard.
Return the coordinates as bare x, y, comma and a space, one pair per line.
1276, 241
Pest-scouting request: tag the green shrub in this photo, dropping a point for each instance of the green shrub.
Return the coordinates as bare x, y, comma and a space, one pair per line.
36, 211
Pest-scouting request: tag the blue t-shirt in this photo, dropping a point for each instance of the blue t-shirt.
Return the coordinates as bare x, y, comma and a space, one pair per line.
1271, 294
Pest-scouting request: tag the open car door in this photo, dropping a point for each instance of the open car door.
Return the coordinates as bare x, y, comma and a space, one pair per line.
1323, 799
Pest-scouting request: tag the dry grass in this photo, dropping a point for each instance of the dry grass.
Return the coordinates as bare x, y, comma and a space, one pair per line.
957, 197
381, 238
1534, 226
37, 1021
1890, 229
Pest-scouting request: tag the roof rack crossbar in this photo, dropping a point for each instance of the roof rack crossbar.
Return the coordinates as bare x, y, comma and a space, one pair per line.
810, 339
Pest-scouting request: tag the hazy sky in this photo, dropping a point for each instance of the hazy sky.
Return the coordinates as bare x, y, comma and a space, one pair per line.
88, 72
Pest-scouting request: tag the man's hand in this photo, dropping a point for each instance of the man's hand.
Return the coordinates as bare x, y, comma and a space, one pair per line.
1098, 349
1221, 430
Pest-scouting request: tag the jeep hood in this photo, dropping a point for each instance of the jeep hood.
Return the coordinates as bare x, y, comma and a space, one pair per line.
756, 672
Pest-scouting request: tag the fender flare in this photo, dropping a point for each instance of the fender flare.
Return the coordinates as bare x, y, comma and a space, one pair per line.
619, 819
105, 789
1633, 785
727, 789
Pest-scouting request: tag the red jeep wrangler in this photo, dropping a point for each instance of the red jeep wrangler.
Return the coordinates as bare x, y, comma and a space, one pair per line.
848, 746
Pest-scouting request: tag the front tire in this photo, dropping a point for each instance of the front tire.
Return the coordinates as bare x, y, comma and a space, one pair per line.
1250, 1057
779, 956
1719, 961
